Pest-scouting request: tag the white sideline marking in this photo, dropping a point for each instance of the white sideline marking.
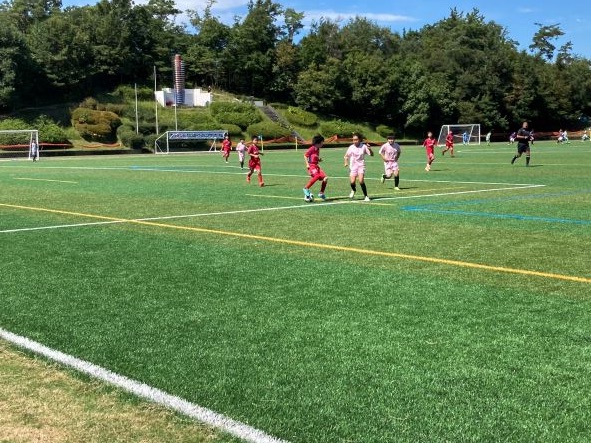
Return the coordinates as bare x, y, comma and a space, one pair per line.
144, 391
280, 208
44, 180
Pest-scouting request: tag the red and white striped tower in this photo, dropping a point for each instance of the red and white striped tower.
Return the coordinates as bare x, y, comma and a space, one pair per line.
179, 80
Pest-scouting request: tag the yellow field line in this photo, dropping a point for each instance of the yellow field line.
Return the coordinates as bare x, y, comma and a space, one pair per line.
306, 244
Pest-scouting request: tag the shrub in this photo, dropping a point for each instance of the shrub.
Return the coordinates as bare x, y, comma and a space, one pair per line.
144, 113
339, 128
268, 130
96, 125
127, 93
231, 107
49, 131
129, 138
384, 130
89, 103
297, 116
242, 119
116, 108
12, 124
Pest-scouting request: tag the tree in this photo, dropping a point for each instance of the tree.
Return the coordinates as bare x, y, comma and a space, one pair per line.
207, 59
252, 47
541, 44
319, 89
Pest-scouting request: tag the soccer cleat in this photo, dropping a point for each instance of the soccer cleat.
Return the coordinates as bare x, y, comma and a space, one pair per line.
513, 160
322, 196
427, 168
397, 188
352, 194
262, 185
443, 152
247, 179
383, 179
366, 199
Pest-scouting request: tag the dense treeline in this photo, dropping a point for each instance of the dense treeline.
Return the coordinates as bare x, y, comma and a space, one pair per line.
461, 69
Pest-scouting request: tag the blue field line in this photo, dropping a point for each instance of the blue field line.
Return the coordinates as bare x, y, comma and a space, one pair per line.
502, 199
495, 215
438, 208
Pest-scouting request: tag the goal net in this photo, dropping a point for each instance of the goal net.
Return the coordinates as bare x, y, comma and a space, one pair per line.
468, 134
188, 141
20, 143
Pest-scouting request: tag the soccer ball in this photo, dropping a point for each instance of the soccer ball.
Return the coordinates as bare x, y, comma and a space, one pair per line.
309, 198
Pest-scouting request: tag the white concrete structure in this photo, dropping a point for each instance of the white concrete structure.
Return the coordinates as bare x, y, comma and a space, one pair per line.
192, 97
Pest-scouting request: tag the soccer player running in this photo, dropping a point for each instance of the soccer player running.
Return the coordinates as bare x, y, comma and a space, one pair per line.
390, 153
312, 158
254, 164
241, 150
429, 145
355, 160
523, 138
449, 144
226, 147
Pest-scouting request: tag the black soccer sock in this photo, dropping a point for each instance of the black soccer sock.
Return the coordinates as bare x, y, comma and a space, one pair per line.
527, 161
354, 187
396, 180
364, 189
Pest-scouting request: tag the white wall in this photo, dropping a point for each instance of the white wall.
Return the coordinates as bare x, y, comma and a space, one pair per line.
193, 97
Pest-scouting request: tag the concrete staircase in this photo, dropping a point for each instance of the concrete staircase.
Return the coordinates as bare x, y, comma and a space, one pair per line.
270, 112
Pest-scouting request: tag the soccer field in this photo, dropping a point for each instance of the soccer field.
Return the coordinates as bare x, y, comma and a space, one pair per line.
455, 309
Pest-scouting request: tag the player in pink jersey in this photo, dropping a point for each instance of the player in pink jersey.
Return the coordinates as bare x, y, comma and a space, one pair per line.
312, 158
254, 164
390, 153
429, 145
449, 144
226, 147
355, 159
241, 150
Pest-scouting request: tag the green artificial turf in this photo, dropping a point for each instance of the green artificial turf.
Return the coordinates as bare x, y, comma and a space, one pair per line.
456, 309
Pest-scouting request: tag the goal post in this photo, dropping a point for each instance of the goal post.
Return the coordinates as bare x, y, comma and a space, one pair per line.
467, 134
166, 143
18, 141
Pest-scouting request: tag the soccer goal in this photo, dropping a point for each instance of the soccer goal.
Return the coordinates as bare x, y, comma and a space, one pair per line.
19, 141
468, 134
187, 141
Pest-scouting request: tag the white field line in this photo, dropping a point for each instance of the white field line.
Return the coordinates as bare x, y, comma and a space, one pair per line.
247, 211
144, 391
44, 180
243, 172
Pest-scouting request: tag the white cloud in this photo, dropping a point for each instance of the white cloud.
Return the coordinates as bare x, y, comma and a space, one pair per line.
340, 16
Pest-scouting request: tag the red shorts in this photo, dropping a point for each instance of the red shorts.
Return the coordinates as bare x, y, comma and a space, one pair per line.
254, 163
316, 172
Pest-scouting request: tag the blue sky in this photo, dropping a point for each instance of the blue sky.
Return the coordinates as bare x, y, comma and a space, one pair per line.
518, 17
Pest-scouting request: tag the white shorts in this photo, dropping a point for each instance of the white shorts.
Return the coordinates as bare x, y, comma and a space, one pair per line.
390, 166
356, 170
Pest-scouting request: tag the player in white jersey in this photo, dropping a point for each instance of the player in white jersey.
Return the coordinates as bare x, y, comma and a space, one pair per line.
390, 153
241, 149
355, 160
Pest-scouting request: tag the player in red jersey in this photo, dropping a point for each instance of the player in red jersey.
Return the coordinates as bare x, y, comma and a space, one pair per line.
312, 158
449, 144
429, 145
226, 147
254, 164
